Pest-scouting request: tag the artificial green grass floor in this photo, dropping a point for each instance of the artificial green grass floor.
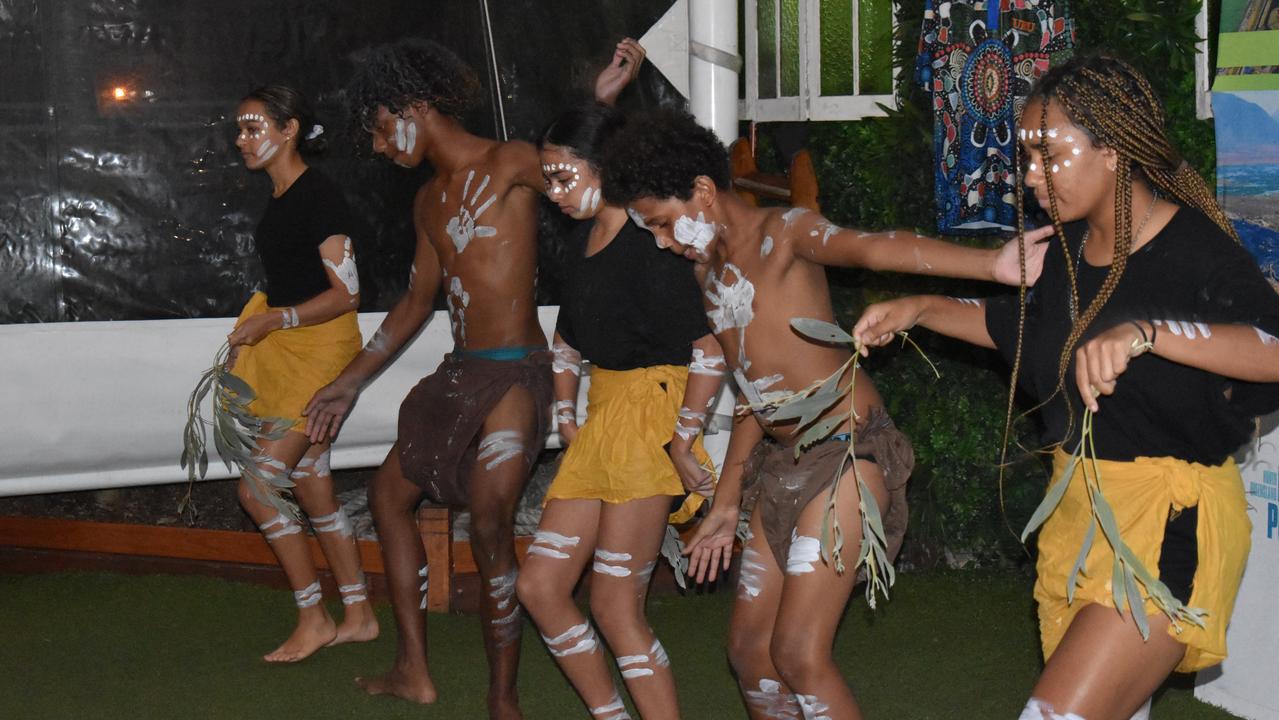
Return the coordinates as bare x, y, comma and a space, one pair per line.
949, 646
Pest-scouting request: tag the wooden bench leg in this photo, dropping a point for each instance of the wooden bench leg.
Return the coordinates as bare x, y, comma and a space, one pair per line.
436, 527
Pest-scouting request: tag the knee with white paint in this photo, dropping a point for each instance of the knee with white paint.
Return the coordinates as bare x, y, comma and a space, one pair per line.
1037, 709
506, 617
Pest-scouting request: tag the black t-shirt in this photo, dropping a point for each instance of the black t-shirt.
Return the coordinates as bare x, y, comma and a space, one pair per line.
630, 305
1190, 272
289, 236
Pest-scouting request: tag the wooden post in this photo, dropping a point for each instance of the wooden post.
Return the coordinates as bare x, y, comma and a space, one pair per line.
436, 527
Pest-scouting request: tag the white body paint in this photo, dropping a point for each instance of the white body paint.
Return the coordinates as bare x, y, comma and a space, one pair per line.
335, 522
405, 135
750, 577
703, 364
1265, 337
604, 557
288, 526
266, 150
1037, 709
378, 344
766, 247
589, 203
354, 593
732, 304
583, 639
412, 275
308, 596
347, 273
551, 544
624, 662
564, 358
463, 228
772, 702
696, 234
457, 301
828, 232
424, 572
969, 301
1180, 328
502, 589
614, 710
499, 446
805, 552
792, 215
812, 708
637, 219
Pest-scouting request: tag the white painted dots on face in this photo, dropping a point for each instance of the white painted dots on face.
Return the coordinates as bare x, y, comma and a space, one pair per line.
1030, 137
499, 446
696, 234
463, 228
558, 188
346, 271
805, 553
552, 544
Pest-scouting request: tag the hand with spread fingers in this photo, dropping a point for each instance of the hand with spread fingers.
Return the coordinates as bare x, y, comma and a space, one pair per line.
327, 409
711, 548
1100, 361
613, 79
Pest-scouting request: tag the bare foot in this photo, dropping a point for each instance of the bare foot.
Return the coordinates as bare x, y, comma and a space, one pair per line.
313, 632
414, 687
359, 624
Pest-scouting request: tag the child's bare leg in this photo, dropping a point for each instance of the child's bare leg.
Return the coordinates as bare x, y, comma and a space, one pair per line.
813, 602
630, 537
496, 484
394, 500
287, 539
314, 491
759, 593
564, 544
1103, 670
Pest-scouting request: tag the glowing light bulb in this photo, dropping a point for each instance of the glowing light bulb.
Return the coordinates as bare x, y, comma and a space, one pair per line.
119, 93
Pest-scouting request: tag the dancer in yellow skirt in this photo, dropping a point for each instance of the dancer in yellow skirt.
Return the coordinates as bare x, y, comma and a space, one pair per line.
635, 313
291, 340
1150, 336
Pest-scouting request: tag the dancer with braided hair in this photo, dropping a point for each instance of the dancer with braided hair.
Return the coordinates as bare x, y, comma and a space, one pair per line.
1151, 333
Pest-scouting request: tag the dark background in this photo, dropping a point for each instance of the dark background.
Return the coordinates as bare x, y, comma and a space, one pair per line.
143, 210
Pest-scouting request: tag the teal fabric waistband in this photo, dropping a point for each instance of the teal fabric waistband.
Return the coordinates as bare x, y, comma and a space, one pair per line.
518, 352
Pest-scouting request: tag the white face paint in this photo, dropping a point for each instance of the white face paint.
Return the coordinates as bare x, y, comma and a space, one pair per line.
559, 188
346, 272
551, 544
696, 234
731, 304
499, 446
463, 228
457, 301
405, 135
1036, 135
589, 203
766, 247
266, 150
805, 552
637, 219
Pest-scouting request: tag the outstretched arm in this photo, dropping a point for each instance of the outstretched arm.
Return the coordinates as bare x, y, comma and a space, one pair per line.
821, 241
612, 80
960, 318
331, 403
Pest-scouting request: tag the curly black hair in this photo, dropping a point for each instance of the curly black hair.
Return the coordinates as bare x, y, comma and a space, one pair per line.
411, 70
659, 154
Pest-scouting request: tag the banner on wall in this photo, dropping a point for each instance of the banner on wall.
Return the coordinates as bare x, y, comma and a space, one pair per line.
1245, 102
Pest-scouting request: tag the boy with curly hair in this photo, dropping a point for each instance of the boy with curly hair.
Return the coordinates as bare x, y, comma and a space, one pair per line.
759, 268
469, 433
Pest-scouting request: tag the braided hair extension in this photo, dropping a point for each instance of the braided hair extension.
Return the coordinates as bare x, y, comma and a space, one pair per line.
1115, 105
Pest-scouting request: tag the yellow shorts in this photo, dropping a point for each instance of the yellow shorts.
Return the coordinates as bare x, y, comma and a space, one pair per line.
619, 454
1142, 493
286, 367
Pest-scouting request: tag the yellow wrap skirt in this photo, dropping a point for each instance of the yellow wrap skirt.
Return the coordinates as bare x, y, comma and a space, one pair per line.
1142, 493
286, 367
619, 454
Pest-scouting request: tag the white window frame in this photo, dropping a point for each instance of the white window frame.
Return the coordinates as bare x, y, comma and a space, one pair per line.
810, 104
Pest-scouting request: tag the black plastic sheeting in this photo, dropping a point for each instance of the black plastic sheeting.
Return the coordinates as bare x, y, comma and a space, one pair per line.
142, 209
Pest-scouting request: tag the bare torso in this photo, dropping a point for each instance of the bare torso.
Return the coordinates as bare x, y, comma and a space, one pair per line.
753, 287
482, 224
